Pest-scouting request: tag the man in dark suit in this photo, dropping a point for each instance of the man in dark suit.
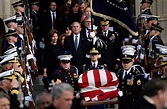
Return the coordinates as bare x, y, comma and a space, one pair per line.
49, 21
113, 42
73, 43
155, 95
85, 30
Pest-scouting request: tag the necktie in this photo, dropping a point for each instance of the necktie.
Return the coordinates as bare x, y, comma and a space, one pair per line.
76, 42
124, 75
94, 65
105, 34
53, 22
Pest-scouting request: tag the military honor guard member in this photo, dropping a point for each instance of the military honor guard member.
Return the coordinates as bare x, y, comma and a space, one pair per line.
92, 65
161, 51
145, 6
93, 41
10, 78
35, 18
112, 41
142, 18
19, 8
93, 62
131, 78
154, 38
68, 74
11, 23
11, 37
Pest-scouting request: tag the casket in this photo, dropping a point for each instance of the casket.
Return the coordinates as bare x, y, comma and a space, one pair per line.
98, 85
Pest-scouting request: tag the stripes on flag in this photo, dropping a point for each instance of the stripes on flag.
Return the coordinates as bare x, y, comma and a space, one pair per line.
98, 85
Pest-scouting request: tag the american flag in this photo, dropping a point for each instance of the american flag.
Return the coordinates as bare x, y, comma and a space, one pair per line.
114, 10
98, 85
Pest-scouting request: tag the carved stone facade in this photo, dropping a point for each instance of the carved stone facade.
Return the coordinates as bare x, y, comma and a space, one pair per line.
6, 10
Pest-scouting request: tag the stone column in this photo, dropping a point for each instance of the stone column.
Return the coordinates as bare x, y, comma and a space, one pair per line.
6, 10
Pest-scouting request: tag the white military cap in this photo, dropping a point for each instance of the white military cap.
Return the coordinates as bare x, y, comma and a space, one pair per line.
6, 73
12, 50
10, 19
158, 46
128, 46
163, 50
65, 55
9, 57
152, 17
130, 52
128, 49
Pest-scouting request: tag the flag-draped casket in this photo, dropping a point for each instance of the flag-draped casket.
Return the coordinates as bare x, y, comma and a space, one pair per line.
98, 85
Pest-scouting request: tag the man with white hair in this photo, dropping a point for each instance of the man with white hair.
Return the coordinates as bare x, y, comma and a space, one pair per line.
62, 96
155, 95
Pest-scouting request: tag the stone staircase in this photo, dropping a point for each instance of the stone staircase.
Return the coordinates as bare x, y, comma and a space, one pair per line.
38, 86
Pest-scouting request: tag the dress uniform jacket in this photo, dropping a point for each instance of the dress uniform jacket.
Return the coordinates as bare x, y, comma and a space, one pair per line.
156, 40
112, 51
69, 76
89, 66
13, 98
131, 85
35, 22
9, 46
19, 18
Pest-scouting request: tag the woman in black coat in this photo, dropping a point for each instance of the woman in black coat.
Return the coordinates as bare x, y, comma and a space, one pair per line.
51, 51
